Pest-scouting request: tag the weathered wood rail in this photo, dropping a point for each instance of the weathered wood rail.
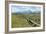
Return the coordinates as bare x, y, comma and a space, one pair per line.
31, 21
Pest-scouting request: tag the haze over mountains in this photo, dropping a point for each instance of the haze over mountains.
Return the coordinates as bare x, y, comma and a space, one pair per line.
25, 9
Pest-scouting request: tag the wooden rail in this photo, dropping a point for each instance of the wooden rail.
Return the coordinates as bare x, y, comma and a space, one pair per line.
31, 21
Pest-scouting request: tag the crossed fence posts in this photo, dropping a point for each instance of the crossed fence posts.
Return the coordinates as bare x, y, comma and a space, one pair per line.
31, 21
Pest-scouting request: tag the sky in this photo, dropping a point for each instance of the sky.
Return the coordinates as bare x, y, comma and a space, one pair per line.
25, 8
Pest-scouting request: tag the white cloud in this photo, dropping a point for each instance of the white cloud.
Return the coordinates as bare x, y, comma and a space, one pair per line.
25, 8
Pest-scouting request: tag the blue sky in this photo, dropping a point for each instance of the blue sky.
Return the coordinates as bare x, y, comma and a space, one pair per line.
25, 8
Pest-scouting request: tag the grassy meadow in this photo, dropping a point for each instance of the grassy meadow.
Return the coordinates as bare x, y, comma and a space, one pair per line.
24, 20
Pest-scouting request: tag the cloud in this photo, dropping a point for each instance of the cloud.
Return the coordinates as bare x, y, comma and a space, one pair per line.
25, 8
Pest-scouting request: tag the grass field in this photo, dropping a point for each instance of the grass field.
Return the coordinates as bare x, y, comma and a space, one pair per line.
23, 20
